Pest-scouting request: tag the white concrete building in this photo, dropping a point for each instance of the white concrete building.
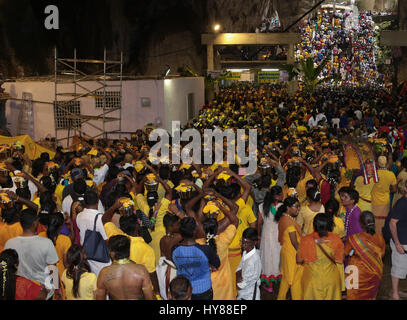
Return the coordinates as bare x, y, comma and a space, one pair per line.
174, 99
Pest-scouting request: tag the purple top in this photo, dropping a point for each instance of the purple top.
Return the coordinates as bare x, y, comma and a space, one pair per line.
352, 224
64, 230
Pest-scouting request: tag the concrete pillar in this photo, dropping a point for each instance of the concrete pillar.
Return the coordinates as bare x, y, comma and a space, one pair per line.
3, 120
292, 85
209, 55
290, 54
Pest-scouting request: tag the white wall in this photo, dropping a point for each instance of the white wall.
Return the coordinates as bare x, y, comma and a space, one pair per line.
134, 116
168, 102
175, 96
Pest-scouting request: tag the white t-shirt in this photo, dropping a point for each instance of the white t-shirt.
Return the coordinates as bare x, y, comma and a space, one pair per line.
335, 122
99, 175
67, 203
358, 114
312, 122
251, 270
320, 116
34, 254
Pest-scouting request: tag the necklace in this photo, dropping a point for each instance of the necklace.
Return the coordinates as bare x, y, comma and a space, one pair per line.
287, 215
347, 218
122, 261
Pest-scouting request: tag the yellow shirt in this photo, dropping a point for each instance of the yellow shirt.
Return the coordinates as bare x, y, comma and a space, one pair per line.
365, 190
288, 265
161, 190
339, 228
62, 245
246, 217
140, 252
301, 190
306, 217
159, 230
143, 205
222, 277
381, 191
8, 231
87, 285
58, 193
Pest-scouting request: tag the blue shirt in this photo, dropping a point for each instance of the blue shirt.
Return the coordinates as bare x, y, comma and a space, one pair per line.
343, 122
193, 263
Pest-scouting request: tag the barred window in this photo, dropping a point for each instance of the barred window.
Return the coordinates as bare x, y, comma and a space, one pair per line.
61, 116
113, 100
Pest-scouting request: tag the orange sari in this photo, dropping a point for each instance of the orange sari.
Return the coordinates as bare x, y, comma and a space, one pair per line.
367, 257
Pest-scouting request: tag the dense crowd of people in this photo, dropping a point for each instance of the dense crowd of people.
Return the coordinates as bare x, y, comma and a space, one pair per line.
329, 191
350, 47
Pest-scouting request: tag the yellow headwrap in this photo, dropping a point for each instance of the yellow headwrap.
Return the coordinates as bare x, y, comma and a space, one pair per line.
333, 159
138, 166
182, 187
223, 176
93, 152
211, 208
184, 166
127, 202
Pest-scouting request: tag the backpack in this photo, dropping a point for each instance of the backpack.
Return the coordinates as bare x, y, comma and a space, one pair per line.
95, 246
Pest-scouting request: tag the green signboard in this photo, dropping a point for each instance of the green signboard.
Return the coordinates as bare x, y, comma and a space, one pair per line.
236, 76
269, 77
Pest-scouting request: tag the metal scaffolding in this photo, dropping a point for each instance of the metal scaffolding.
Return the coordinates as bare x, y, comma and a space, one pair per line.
112, 71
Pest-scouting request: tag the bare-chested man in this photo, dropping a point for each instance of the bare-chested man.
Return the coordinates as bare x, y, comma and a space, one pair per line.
124, 279
172, 236
166, 269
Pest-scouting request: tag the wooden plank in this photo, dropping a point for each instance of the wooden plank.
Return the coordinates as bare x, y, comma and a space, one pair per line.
88, 117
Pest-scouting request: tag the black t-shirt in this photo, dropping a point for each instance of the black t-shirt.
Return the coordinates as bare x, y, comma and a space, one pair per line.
399, 212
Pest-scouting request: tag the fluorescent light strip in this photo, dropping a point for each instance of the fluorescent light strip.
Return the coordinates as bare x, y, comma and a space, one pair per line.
270, 69
237, 70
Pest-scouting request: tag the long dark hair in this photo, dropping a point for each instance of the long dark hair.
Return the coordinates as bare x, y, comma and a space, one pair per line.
288, 203
10, 215
49, 182
55, 222
8, 270
321, 224
270, 198
313, 194
211, 229
333, 178
293, 176
24, 193
367, 222
77, 265
331, 210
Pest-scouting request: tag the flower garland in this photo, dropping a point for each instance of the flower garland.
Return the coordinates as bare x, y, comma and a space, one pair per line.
347, 218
